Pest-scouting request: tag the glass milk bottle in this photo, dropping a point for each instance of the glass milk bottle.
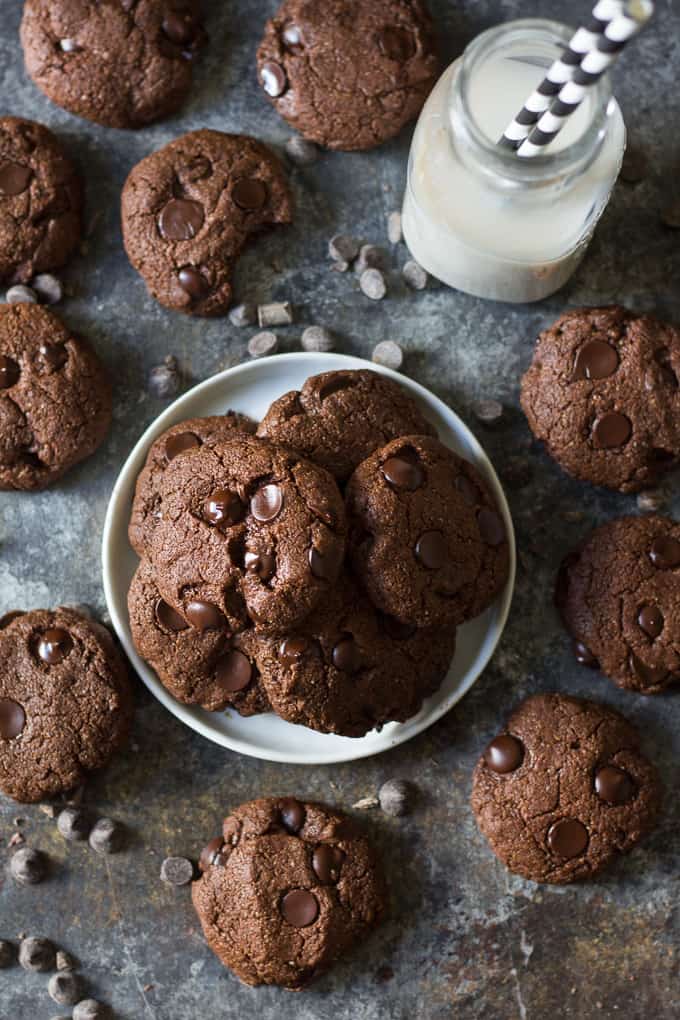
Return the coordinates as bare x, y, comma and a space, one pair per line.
484, 220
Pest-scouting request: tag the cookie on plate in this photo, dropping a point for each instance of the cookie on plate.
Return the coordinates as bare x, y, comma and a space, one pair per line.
564, 789
287, 888
348, 74
189, 208
55, 398
426, 537
248, 531
348, 668
41, 199
65, 701
603, 394
619, 596
185, 435
121, 63
198, 667
338, 418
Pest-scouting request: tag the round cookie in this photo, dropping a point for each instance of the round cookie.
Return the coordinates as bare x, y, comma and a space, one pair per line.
121, 63
348, 74
189, 208
427, 539
185, 435
619, 597
287, 888
248, 531
603, 394
338, 419
55, 398
65, 701
41, 198
205, 668
564, 789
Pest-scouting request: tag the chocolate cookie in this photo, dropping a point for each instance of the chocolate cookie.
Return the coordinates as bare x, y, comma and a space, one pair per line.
247, 530
65, 701
198, 667
121, 63
427, 539
338, 419
348, 74
55, 399
189, 209
619, 596
348, 669
287, 888
40, 201
603, 394
175, 441
564, 789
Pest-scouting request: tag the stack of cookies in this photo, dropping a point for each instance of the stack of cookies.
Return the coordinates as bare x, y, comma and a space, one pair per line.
316, 565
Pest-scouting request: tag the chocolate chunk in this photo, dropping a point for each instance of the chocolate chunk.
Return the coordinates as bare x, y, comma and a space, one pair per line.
568, 838
169, 618
612, 430
651, 621
267, 502
300, 908
224, 509
204, 616
193, 282
249, 194
180, 444
210, 853
403, 472
327, 862
431, 550
665, 553
596, 360
234, 671
491, 527
54, 356
181, 219
322, 566
614, 785
292, 649
651, 676
14, 178
262, 564
347, 655
273, 78
12, 719
9, 373
292, 814
65, 988
54, 645
504, 754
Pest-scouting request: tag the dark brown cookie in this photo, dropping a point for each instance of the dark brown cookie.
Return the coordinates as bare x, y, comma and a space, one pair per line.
603, 394
189, 209
198, 667
175, 441
247, 530
338, 419
348, 74
619, 596
121, 63
287, 888
65, 701
564, 789
55, 398
41, 198
427, 539
348, 669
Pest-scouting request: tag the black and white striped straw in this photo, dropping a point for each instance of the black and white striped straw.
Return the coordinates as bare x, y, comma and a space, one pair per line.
595, 63
561, 72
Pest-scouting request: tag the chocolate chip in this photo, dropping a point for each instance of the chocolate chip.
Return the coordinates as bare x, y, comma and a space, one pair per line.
12, 719
403, 472
37, 954
14, 178
177, 871
28, 866
327, 862
68, 45
372, 284
568, 838
223, 509
90, 1009
650, 620
322, 566
9, 373
371, 257
388, 354
54, 356
66, 988
584, 656
292, 814
432, 550
164, 380
21, 295
7, 618
317, 338
613, 785
181, 219
414, 275
180, 443
488, 412
650, 675
193, 282
273, 78
48, 287
53, 645
662, 357
204, 615
346, 655
343, 248
665, 552
467, 489
74, 824
249, 194
231, 830
107, 836
65, 961
396, 43
396, 797
263, 344
266, 504
504, 754
595, 360
7, 954
302, 152
243, 315
292, 37
491, 527
275, 313
299, 908
210, 852
394, 232
612, 430
292, 649
262, 564
179, 27
169, 618
233, 671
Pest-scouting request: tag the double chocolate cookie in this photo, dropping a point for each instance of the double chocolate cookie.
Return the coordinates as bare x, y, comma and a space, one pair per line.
603, 394
348, 74
175, 441
426, 537
121, 63
55, 399
40, 201
287, 888
564, 789
65, 701
619, 596
189, 209
338, 418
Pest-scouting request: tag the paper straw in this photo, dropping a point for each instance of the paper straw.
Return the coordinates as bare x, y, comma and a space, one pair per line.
561, 72
594, 64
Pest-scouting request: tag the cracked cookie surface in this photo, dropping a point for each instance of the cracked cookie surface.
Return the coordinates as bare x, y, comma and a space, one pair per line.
426, 537
188, 210
41, 199
65, 701
287, 888
603, 394
619, 596
348, 74
338, 418
120, 63
564, 789
55, 399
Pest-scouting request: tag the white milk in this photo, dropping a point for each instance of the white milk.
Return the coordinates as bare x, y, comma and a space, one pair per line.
482, 219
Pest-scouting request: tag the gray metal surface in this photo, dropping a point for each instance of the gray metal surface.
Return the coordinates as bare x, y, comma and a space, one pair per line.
465, 939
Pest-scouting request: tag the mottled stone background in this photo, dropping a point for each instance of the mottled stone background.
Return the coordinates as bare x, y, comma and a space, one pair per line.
465, 938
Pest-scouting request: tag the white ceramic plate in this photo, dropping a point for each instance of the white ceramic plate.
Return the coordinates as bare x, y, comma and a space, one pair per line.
250, 388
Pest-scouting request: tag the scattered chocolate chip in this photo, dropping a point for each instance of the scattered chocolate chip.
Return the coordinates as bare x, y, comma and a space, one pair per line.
12, 719
249, 193
10, 373
414, 275
28, 866
343, 248
164, 380
8, 954
180, 444
223, 509
180, 219
613, 785
504, 754
233, 671
263, 344
612, 430
266, 503
301, 152
568, 838
21, 295
370, 257
243, 315
74, 823
292, 814
431, 550
193, 282
347, 655
372, 284
90, 1009
204, 615
584, 656
389, 354
65, 988
48, 287
273, 78
177, 871
37, 954
54, 645
595, 360
670, 215
300, 908
396, 797
327, 863
211, 854
277, 313
107, 836
488, 412
394, 232
665, 553
317, 338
